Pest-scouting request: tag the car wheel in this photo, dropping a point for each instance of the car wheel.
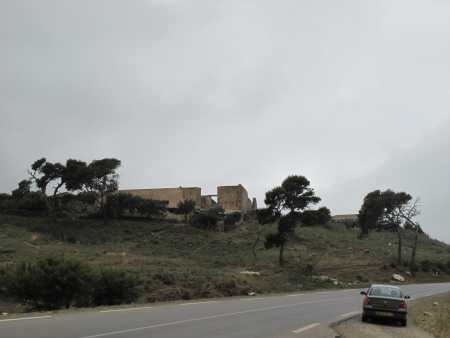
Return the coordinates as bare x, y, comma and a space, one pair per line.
364, 318
404, 322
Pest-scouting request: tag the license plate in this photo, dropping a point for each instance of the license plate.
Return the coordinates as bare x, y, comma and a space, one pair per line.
384, 314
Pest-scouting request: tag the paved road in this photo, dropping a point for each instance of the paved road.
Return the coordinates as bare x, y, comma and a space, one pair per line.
290, 315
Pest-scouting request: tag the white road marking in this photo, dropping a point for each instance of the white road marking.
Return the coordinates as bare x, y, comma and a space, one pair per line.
306, 328
350, 314
296, 295
222, 315
207, 302
258, 298
25, 318
128, 309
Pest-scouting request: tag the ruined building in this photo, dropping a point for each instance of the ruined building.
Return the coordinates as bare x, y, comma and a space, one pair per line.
233, 198
171, 195
230, 198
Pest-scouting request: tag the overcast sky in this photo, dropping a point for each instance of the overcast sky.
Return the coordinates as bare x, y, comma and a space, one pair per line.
355, 95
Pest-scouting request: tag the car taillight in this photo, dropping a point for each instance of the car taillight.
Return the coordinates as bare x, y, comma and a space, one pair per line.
402, 305
366, 301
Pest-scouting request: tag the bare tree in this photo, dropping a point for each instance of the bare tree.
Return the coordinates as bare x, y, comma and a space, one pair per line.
408, 213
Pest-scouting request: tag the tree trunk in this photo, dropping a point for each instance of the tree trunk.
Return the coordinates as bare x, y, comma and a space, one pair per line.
55, 192
364, 231
281, 257
400, 247
412, 263
255, 243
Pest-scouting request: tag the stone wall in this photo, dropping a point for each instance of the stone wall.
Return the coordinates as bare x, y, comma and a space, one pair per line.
208, 202
172, 195
233, 198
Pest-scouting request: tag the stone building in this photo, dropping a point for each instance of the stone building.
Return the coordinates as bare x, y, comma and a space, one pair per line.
171, 195
207, 202
231, 198
345, 218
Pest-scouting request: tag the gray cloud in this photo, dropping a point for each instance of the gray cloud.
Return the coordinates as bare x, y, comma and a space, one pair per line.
423, 171
220, 92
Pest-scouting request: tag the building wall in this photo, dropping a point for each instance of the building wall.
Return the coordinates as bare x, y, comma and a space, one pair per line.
207, 202
172, 195
233, 198
349, 217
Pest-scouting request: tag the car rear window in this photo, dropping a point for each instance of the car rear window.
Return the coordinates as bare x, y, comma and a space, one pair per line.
385, 291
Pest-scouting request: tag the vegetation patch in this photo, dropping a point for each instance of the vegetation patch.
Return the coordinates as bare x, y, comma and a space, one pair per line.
432, 314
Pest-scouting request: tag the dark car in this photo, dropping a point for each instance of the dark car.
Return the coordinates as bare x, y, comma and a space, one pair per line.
385, 301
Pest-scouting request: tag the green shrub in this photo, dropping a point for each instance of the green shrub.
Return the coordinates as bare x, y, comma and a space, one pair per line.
121, 204
441, 266
56, 282
49, 283
152, 208
113, 287
204, 221
118, 204
232, 218
29, 204
316, 217
166, 277
208, 219
426, 265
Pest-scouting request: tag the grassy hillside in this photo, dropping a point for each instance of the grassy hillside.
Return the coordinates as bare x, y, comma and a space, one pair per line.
176, 261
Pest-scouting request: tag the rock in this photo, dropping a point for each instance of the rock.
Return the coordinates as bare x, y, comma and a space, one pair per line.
250, 273
4, 313
408, 273
428, 314
336, 282
251, 293
398, 278
435, 303
366, 251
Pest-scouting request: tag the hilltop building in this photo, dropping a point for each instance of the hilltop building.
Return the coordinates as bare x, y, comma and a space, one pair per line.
231, 198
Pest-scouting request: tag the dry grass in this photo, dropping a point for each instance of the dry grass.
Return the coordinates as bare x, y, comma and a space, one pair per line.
432, 314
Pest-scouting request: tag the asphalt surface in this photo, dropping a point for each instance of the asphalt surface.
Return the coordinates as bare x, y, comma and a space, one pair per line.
292, 315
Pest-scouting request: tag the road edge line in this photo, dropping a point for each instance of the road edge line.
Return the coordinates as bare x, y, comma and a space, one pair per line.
306, 328
24, 318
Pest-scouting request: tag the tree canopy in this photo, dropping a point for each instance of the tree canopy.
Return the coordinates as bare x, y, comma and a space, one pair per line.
286, 203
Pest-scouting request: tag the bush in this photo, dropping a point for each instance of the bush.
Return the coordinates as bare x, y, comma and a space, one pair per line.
113, 287
5, 201
120, 204
208, 219
204, 220
50, 283
316, 217
29, 204
117, 204
53, 283
441, 266
232, 218
426, 265
152, 208
87, 197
